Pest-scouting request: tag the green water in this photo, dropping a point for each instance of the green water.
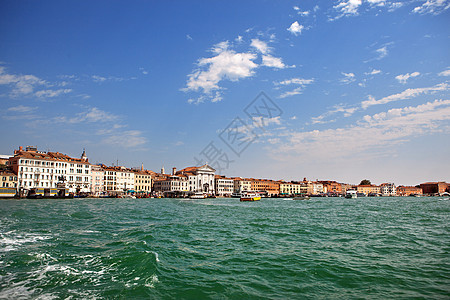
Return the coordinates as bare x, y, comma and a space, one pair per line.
326, 248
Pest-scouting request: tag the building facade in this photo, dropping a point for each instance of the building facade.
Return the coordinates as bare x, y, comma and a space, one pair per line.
98, 180
434, 187
388, 189
408, 190
224, 186
48, 171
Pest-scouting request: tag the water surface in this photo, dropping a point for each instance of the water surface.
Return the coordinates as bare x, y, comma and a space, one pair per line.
222, 248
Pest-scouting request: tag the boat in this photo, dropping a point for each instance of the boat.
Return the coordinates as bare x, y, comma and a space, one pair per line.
351, 194
301, 198
198, 196
250, 197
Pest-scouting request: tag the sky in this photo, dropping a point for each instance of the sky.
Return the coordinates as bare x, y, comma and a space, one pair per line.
331, 90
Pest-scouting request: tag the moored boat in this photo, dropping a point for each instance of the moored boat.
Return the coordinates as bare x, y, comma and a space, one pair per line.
198, 196
351, 194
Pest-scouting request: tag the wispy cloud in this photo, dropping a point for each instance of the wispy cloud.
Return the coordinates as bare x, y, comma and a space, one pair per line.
371, 133
52, 93
348, 78
21, 109
339, 108
126, 139
22, 84
434, 7
407, 94
445, 73
301, 83
403, 78
373, 72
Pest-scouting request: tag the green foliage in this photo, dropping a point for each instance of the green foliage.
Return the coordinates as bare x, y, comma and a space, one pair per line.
365, 182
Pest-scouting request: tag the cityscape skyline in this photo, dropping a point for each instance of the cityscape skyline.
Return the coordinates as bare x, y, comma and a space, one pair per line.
361, 88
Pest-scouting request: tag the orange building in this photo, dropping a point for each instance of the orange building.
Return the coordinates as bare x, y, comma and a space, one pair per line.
264, 185
408, 190
331, 187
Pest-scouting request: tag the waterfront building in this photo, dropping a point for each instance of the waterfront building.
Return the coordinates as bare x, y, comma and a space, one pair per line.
242, 185
200, 179
4, 159
8, 183
224, 186
313, 187
270, 187
143, 181
331, 187
110, 181
98, 180
48, 171
293, 188
388, 189
172, 184
434, 187
124, 180
408, 190
368, 189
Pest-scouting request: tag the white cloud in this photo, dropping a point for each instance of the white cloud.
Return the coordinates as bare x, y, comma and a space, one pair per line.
348, 78
373, 72
382, 52
225, 65
434, 7
91, 115
260, 46
51, 93
273, 62
349, 7
23, 84
379, 131
445, 73
239, 39
296, 28
127, 139
407, 94
403, 78
300, 82
296, 8
21, 109
189, 37
339, 108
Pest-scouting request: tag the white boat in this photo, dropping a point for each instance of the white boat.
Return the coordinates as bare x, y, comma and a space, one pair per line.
198, 196
250, 197
351, 194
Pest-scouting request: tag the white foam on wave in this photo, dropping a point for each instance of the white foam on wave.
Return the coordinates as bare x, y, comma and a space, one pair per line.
9, 240
156, 256
151, 281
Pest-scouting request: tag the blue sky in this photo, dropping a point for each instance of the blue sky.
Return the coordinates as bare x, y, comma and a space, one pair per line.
362, 85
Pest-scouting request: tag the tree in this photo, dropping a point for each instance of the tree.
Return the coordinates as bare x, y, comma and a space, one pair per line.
365, 182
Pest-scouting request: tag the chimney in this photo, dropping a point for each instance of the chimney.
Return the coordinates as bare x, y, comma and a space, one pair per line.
174, 170
20, 148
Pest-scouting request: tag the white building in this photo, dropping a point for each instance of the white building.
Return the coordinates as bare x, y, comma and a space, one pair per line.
125, 180
388, 189
242, 185
200, 179
224, 186
172, 183
43, 171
